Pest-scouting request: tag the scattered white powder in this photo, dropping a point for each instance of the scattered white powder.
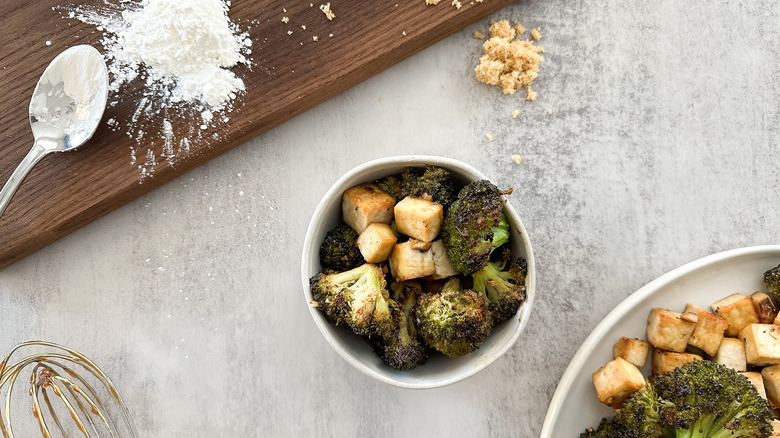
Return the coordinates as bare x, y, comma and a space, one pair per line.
182, 51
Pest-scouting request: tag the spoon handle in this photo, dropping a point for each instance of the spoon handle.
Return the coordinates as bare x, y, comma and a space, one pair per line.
36, 153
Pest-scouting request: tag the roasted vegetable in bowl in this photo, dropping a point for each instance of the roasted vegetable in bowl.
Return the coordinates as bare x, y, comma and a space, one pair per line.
404, 292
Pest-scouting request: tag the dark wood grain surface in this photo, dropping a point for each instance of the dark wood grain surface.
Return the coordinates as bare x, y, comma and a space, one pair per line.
66, 191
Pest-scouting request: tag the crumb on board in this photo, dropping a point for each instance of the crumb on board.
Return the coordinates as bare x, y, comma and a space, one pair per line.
479, 35
431, 2
549, 111
457, 4
303, 26
536, 33
326, 10
315, 38
289, 32
517, 158
285, 19
403, 33
509, 62
489, 136
515, 113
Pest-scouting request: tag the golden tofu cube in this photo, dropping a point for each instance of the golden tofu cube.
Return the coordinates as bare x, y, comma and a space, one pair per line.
771, 377
709, 330
738, 311
757, 381
376, 242
765, 309
669, 330
762, 344
732, 354
775, 428
441, 261
419, 218
616, 381
407, 263
365, 204
632, 350
664, 361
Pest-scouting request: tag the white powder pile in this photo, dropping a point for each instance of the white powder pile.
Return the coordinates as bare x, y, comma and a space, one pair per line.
183, 51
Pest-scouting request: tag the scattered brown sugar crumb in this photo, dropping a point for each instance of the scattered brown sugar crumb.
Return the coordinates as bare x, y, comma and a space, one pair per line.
326, 10
509, 62
517, 159
519, 28
515, 113
285, 19
531, 93
536, 34
479, 35
457, 4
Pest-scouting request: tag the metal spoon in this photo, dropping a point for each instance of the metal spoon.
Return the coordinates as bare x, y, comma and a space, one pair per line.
65, 109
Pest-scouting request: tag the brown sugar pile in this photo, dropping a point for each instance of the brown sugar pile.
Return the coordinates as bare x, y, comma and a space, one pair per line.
510, 62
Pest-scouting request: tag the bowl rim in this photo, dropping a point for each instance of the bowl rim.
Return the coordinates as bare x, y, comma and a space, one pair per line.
403, 161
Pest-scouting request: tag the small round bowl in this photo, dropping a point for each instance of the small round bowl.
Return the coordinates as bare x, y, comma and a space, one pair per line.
439, 370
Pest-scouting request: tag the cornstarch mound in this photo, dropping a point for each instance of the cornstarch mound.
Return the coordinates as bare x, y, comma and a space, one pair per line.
510, 62
183, 52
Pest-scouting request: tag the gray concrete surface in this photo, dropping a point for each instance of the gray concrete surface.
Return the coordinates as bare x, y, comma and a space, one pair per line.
661, 148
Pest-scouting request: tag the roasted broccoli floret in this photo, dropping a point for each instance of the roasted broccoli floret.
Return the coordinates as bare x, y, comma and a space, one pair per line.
703, 399
638, 418
432, 181
474, 226
454, 321
356, 298
503, 289
772, 282
405, 349
339, 250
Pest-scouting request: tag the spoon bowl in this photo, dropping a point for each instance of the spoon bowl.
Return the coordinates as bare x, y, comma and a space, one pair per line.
65, 109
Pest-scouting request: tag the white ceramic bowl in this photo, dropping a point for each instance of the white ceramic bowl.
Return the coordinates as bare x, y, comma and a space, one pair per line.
438, 370
701, 282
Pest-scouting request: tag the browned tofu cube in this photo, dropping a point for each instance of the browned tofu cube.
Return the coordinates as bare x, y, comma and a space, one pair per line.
419, 218
616, 381
771, 375
738, 311
366, 204
668, 330
762, 344
765, 309
757, 381
708, 332
407, 263
376, 242
775, 428
665, 361
732, 354
632, 350
441, 261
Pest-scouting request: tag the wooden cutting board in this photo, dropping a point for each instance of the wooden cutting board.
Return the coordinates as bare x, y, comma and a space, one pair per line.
288, 78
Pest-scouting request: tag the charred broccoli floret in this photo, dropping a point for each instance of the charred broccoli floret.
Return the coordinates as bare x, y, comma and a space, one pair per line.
405, 349
339, 250
474, 226
433, 181
700, 399
772, 282
356, 298
503, 290
703, 399
638, 418
454, 321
